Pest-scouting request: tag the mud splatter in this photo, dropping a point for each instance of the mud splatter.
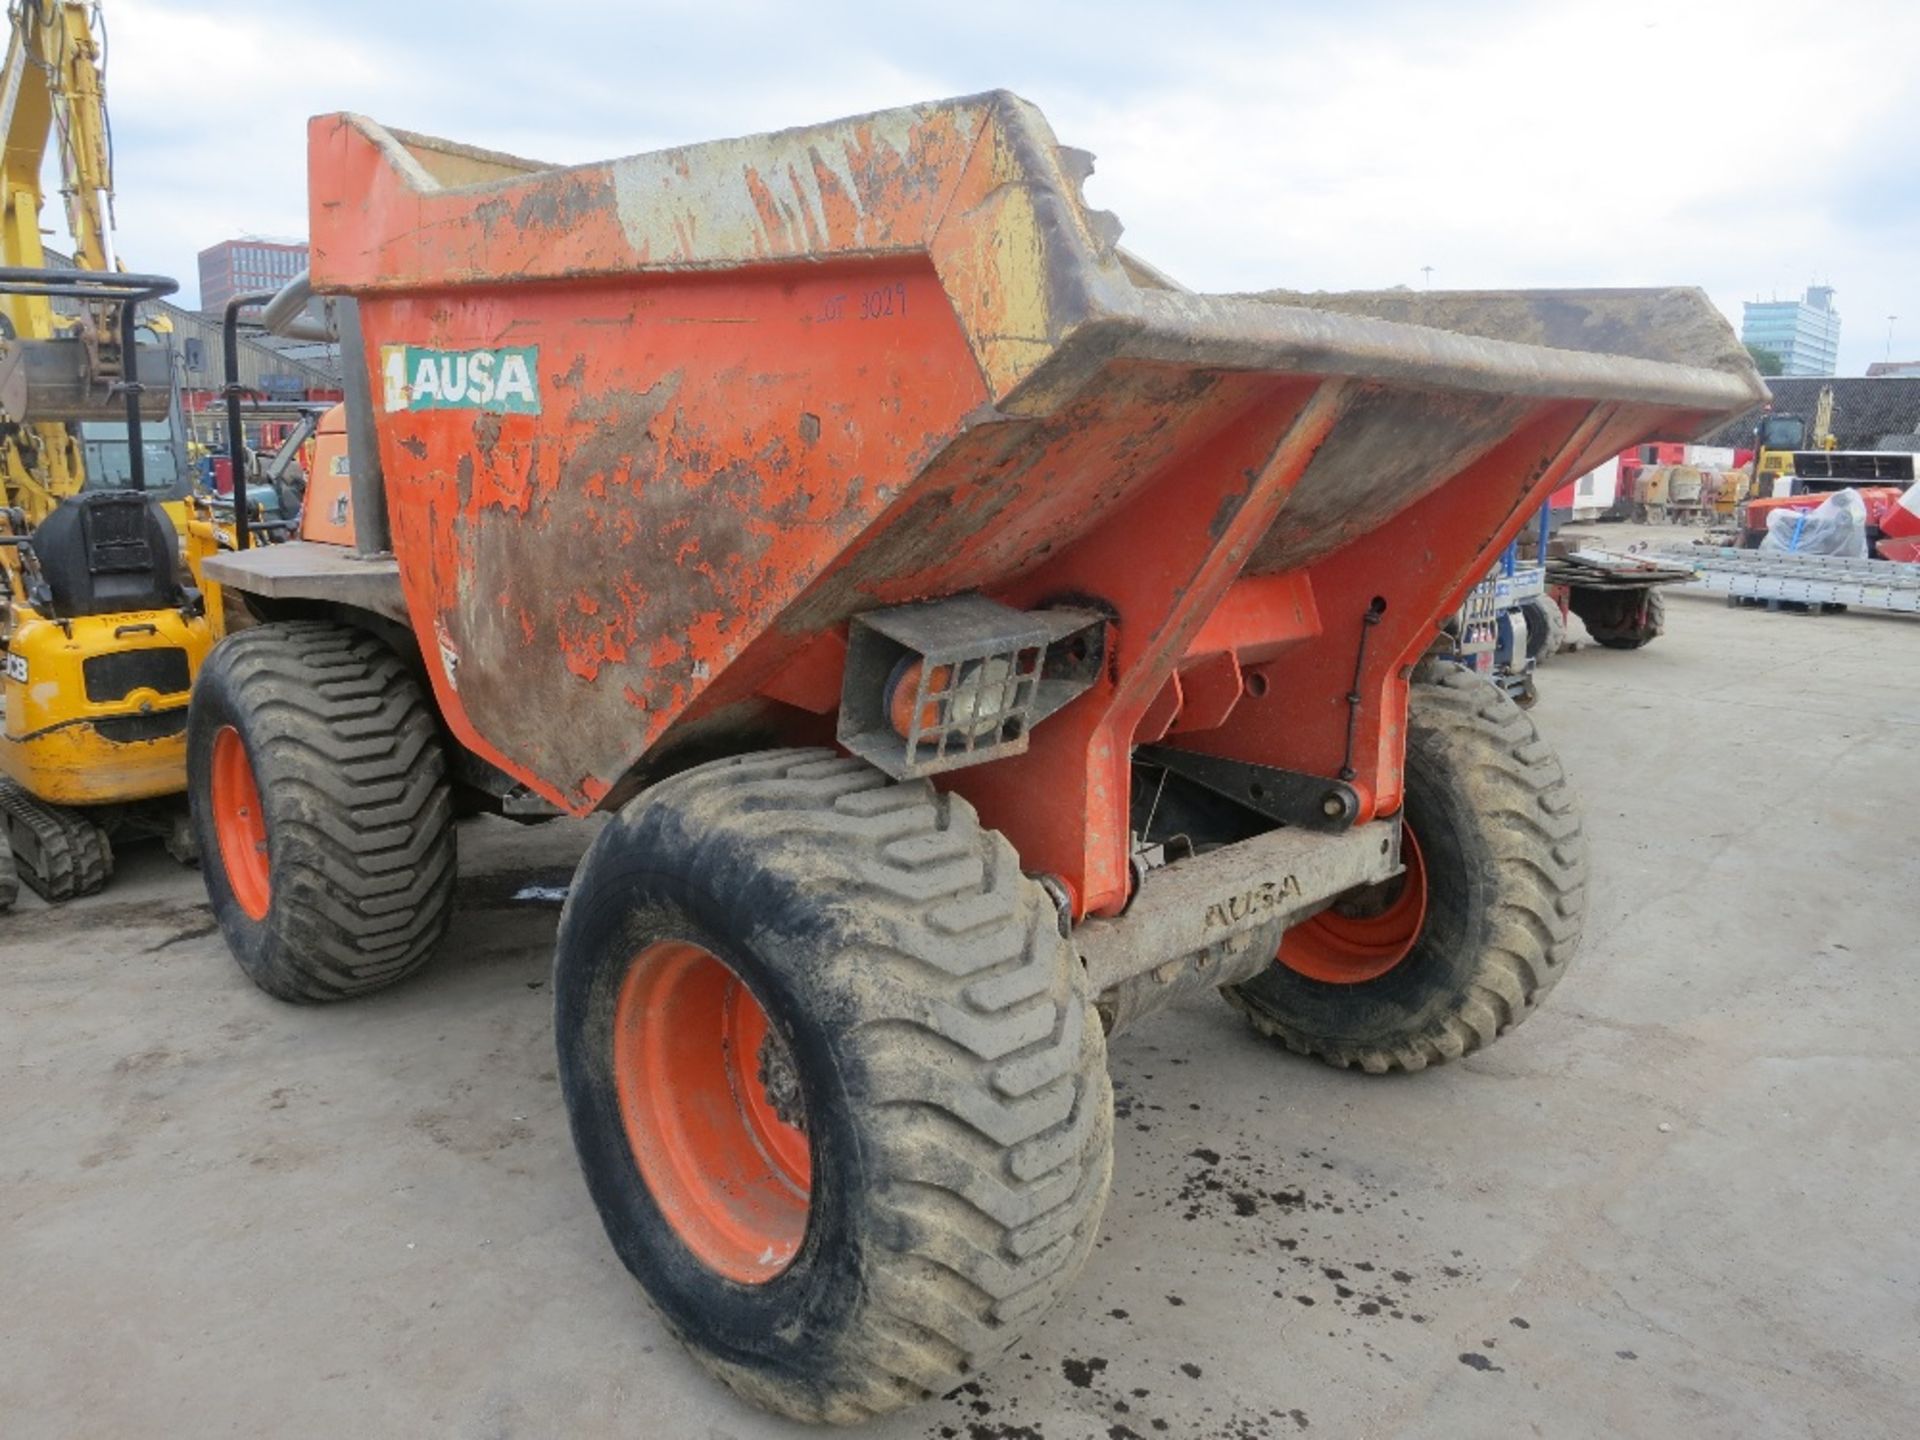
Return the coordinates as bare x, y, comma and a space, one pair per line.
1080, 1373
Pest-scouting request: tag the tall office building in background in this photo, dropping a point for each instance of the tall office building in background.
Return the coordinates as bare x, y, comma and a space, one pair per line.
242, 267
1804, 333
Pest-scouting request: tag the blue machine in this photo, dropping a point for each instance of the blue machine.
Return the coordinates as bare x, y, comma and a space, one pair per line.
1500, 630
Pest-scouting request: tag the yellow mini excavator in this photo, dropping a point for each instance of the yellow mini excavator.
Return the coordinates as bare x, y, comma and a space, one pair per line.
100, 633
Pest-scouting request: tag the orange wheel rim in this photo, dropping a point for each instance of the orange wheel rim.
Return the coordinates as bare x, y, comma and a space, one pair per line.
712, 1110
240, 824
1364, 935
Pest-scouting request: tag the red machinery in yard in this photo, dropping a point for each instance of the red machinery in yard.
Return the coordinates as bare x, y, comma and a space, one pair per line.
978, 642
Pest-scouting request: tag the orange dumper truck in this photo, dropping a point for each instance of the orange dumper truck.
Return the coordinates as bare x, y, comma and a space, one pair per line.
978, 642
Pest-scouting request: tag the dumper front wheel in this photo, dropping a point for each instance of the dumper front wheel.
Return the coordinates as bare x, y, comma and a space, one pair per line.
320, 809
834, 1078
1463, 946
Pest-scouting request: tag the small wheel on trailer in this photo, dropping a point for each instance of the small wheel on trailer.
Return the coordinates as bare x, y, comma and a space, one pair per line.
837, 1087
320, 809
1621, 619
1466, 943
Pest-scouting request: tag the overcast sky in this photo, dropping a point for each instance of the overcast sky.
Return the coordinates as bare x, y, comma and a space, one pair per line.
1747, 146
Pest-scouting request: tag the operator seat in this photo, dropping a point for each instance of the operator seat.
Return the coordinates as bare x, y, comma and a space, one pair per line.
106, 551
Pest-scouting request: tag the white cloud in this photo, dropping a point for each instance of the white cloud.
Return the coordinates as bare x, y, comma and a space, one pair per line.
1528, 145
1718, 142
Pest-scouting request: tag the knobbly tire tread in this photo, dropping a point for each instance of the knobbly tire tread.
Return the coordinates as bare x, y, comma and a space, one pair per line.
1543, 612
352, 778
963, 1157
1522, 917
75, 856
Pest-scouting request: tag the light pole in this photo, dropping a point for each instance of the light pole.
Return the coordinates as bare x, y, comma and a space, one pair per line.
1890, 320
1427, 271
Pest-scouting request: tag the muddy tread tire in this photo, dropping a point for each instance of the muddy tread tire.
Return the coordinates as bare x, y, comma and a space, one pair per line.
1546, 629
1486, 790
1619, 625
60, 852
359, 813
953, 1064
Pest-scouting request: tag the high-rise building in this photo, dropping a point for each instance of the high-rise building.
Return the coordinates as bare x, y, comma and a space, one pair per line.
241, 267
1804, 333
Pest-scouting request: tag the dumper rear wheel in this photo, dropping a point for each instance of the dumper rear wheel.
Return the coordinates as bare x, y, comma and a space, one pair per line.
1436, 963
835, 1080
320, 809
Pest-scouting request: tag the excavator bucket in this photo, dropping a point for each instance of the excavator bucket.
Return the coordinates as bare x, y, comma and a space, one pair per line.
654, 432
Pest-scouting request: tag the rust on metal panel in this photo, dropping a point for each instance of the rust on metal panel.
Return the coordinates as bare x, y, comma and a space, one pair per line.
978, 185
999, 502
615, 553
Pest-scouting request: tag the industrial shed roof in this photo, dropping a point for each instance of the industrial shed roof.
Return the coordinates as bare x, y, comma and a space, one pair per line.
1877, 413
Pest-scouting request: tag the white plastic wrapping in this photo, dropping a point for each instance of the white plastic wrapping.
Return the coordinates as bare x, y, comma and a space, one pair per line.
1837, 526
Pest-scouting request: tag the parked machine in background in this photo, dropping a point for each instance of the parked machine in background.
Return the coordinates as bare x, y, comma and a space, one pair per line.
1616, 595
1660, 482
1515, 619
1508, 623
1777, 436
1881, 478
100, 629
101, 635
1796, 468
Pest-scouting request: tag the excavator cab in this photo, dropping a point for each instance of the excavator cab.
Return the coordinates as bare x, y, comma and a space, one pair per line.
1782, 432
1774, 442
101, 635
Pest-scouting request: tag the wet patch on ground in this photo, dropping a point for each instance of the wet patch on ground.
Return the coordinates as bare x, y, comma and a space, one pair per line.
542, 888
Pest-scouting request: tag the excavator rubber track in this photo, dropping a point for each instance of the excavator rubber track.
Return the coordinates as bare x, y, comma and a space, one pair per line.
59, 852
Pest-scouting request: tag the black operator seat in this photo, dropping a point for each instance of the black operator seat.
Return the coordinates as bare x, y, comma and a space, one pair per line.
102, 552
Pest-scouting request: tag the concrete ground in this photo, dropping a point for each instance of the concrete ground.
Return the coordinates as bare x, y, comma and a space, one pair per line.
1678, 1202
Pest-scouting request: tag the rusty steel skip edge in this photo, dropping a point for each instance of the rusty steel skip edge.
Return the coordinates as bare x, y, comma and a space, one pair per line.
733, 394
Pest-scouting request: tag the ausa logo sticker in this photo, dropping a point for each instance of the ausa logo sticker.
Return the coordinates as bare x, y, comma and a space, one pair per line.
504, 381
